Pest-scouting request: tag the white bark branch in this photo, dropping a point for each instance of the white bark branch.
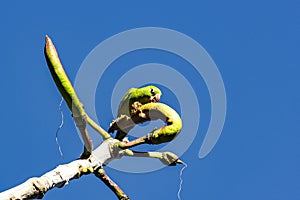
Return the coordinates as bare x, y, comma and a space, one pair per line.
36, 187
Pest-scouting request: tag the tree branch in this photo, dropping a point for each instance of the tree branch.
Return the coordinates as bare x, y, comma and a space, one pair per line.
100, 173
93, 161
36, 187
60, 176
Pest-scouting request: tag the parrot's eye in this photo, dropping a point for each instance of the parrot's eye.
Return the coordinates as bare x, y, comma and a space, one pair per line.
152, 91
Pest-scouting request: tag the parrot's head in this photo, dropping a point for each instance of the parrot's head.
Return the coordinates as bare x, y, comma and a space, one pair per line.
148, 94
155, 93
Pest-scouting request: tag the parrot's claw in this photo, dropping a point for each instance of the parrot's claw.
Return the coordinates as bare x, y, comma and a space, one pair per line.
142, 115
135, 107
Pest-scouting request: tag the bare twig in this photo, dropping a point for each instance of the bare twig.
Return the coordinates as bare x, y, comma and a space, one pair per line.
100, 173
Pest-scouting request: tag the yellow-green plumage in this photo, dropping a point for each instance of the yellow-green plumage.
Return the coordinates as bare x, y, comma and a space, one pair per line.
142, 95
150, 112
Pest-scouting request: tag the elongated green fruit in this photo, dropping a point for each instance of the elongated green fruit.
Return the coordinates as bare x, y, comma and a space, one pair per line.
61, 79
67, 91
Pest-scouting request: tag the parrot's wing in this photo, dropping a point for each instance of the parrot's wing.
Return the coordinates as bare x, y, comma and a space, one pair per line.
121, 123
124, 104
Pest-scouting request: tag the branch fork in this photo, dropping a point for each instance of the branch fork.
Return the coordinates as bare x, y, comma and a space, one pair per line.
89, 161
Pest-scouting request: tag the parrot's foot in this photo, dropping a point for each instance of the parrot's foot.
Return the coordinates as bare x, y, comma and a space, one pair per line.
136, 109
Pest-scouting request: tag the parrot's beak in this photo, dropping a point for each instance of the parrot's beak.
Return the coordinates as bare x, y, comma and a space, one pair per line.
156, 97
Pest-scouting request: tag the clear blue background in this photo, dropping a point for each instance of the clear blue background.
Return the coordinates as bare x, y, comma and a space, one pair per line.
256, 47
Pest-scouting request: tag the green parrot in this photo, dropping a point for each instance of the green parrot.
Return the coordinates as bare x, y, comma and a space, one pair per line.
142, 96
149, 112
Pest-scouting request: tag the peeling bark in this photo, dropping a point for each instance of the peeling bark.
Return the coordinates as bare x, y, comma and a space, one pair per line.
36, 187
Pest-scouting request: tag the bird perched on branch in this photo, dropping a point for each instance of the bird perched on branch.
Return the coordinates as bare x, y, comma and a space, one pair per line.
149, 112
142, 96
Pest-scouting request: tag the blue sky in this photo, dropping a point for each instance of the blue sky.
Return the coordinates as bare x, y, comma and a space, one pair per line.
255, 46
